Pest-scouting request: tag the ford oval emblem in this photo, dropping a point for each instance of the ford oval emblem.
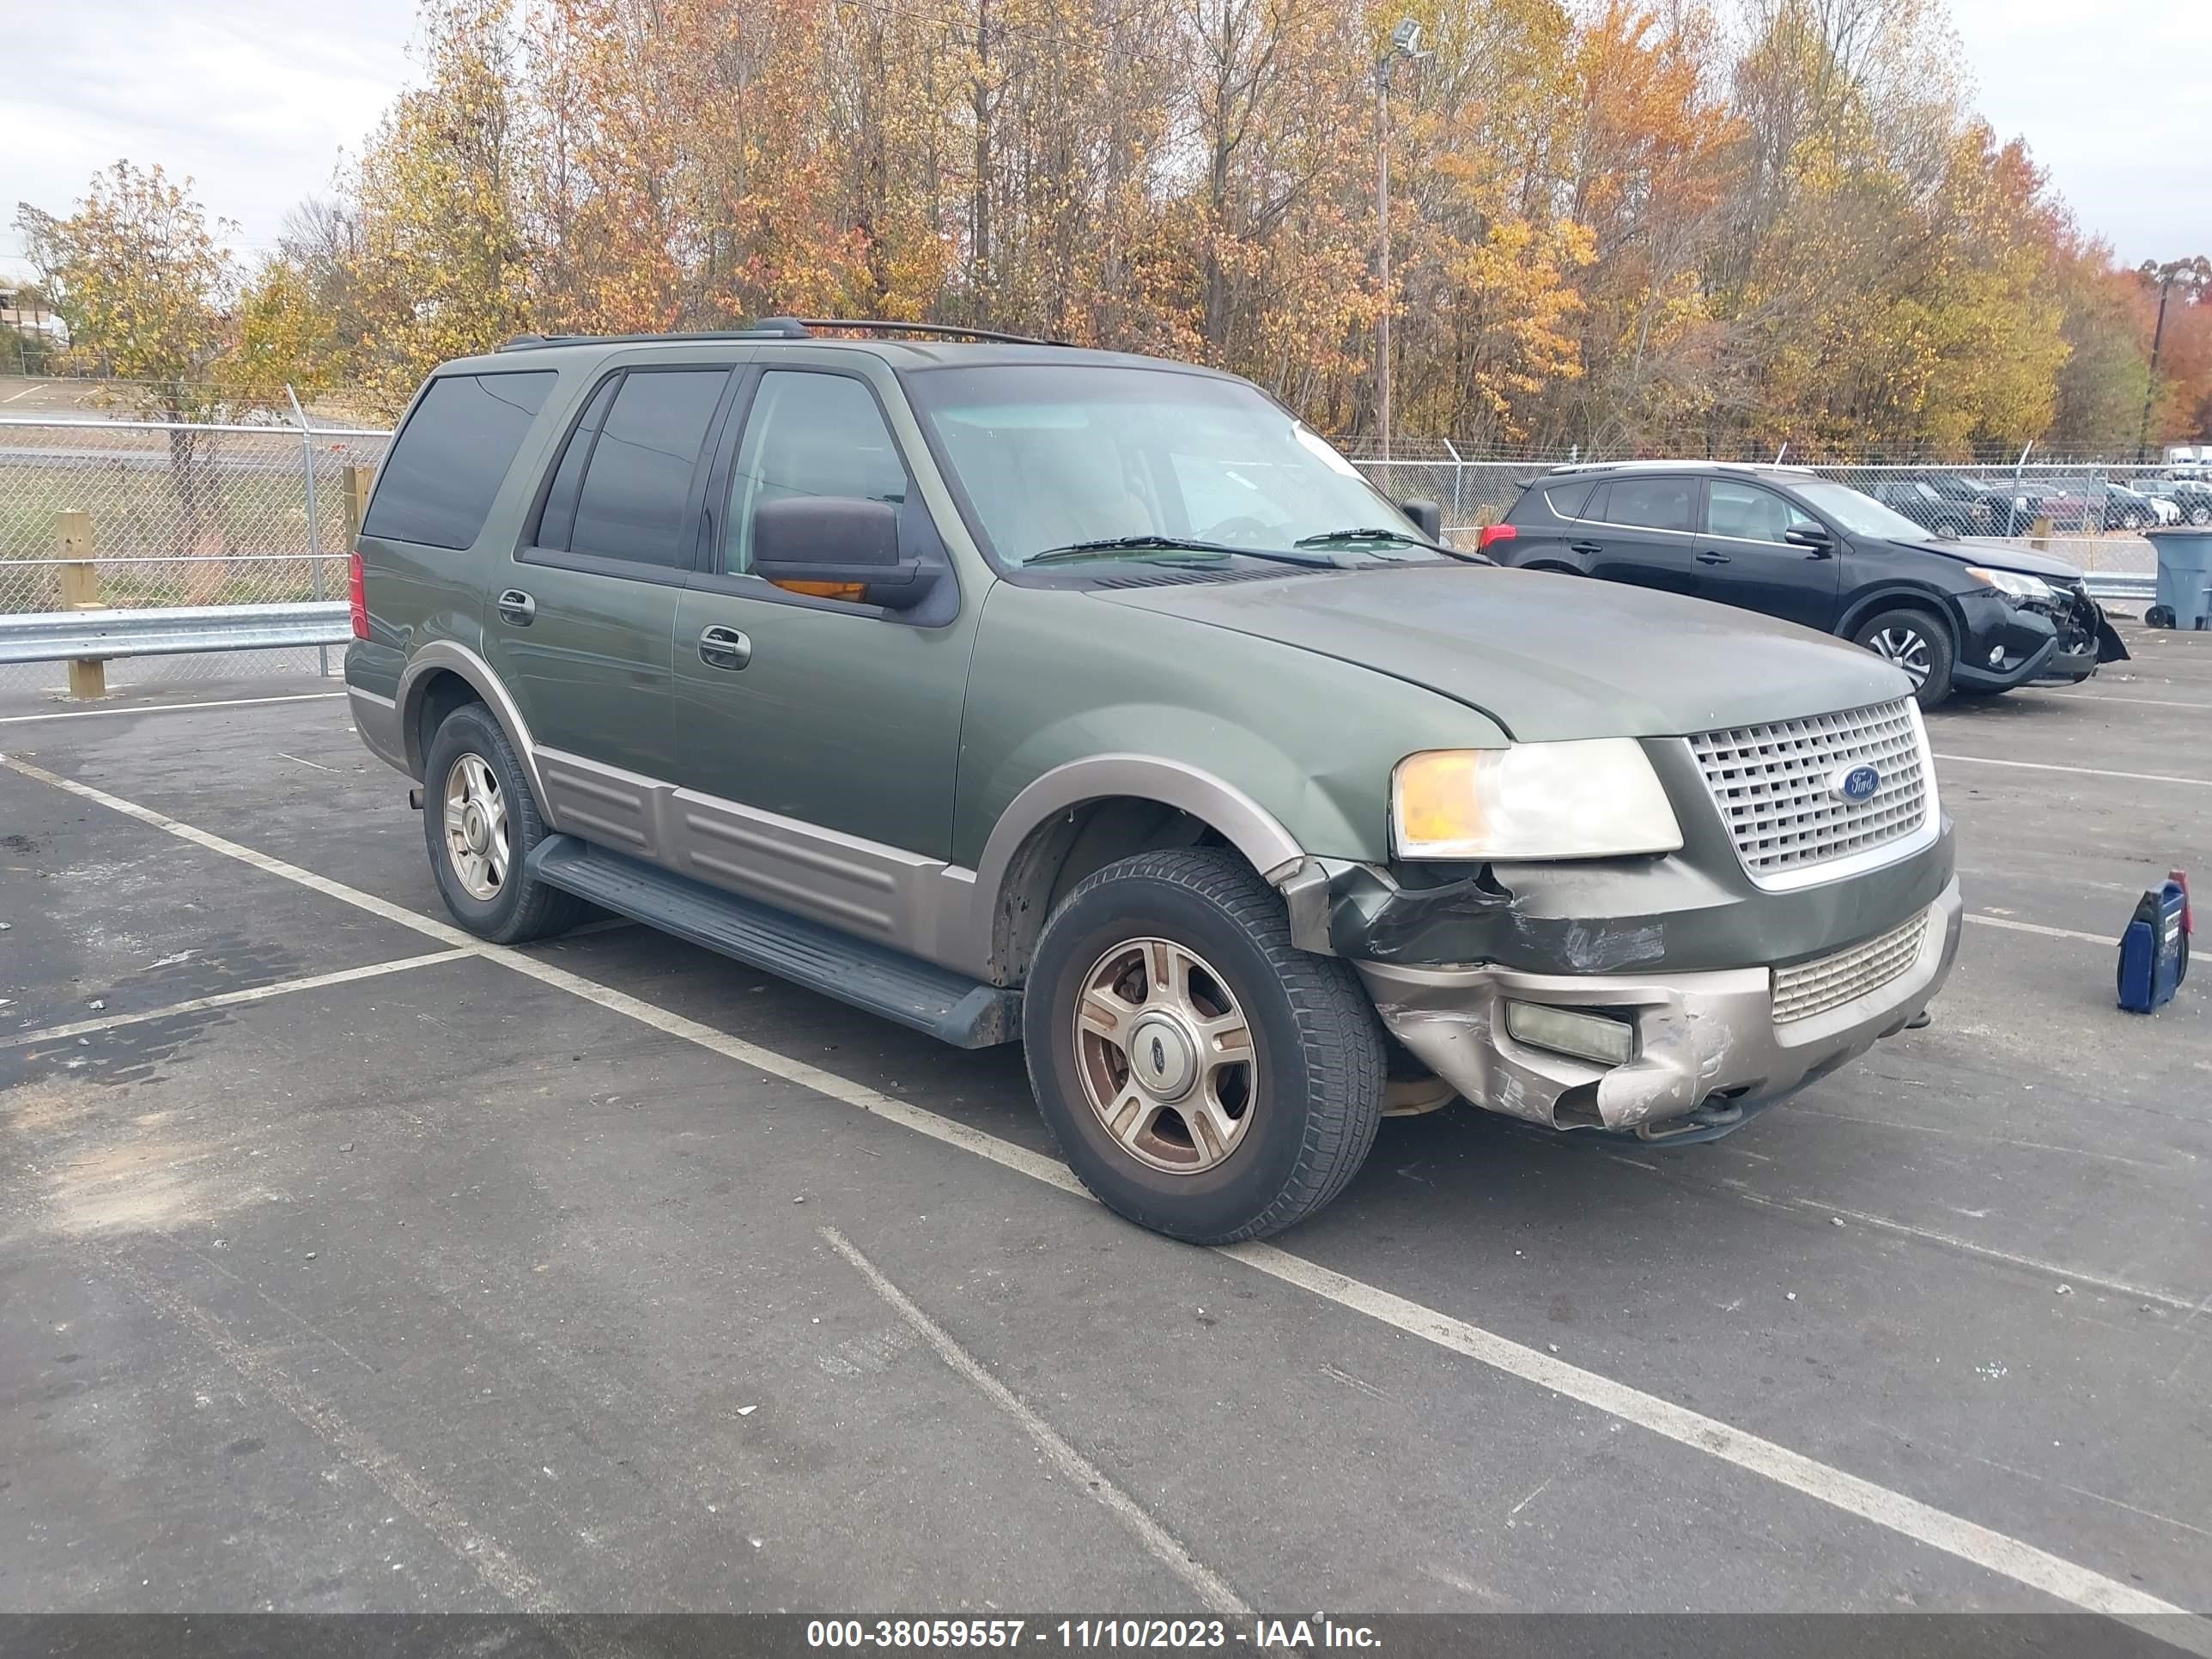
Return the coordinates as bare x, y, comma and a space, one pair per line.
1854, 783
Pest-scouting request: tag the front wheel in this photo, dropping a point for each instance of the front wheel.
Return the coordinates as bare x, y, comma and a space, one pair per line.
1916, 643
1205, 1076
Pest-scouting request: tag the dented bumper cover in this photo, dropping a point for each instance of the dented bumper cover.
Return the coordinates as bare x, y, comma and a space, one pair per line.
1699, 1035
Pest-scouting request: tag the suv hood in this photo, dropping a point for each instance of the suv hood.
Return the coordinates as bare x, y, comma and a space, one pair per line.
1548, 656
2023, 560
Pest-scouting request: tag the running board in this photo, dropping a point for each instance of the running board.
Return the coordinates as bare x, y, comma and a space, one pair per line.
950, 1007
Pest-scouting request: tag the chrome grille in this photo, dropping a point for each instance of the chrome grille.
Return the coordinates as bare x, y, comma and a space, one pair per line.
1772, 785
1814, 987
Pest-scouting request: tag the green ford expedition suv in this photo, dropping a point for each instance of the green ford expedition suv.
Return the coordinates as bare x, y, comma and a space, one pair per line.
1019, 692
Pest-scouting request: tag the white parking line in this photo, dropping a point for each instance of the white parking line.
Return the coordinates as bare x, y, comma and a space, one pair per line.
229, 999
1082, 1475
165, 707
2082, 771
1968, 1540
2038, 929
2146, 703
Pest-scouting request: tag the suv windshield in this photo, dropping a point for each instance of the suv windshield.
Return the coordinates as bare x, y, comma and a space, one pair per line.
1861, 514
1055, 459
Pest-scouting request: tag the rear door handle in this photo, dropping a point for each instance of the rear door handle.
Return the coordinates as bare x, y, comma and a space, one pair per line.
1584, 548
1710, 558
518, 607
725, 647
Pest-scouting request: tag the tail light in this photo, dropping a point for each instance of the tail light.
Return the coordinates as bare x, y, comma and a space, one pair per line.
356, 596
1494, 532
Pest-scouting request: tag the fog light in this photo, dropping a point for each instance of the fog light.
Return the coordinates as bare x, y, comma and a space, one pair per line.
1597, 1038
1996, 656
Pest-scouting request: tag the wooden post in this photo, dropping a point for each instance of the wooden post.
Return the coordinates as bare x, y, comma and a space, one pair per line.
357, 481
2038, 534
87, 675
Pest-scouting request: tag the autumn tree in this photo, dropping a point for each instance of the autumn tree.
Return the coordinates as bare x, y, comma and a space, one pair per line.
140, 277
444, 266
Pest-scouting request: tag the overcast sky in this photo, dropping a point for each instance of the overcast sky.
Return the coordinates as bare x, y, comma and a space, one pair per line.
255, 97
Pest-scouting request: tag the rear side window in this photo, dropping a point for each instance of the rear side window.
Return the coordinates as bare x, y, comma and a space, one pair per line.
445, 470
1652, 503
624, 478
559, 519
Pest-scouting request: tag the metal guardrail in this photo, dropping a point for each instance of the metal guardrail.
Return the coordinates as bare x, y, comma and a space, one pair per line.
98, 636
2122, 587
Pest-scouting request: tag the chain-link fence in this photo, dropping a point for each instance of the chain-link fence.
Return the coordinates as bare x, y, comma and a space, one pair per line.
177, 514
200, 514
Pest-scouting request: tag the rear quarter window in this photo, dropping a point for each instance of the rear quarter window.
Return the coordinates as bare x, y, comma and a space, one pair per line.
1568, 500
446, 466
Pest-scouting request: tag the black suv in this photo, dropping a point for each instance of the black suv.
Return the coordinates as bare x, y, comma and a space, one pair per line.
1954, 615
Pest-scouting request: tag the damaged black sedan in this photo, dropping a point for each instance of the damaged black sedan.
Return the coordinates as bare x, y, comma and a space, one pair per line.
1976, 618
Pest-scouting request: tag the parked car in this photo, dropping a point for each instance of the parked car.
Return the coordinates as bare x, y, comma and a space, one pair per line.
2191, 498
2008, 510
1920, 502
1954, 616
1019, 692
2093, 504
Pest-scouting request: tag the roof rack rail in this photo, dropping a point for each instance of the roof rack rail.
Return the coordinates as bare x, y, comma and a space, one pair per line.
892, 325
764, 332
781, 328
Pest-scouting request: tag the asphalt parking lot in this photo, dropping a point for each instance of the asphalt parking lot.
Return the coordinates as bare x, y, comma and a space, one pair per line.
346, 1263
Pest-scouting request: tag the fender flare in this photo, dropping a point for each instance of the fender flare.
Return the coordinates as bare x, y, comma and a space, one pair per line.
1248, 827
454, 658
1923, 598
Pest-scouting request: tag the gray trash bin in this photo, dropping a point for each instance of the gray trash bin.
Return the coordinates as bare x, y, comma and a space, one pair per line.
2184, 575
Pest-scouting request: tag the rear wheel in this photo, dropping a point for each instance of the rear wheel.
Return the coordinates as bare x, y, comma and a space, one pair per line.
1206, 1078
1916, 642
480, 822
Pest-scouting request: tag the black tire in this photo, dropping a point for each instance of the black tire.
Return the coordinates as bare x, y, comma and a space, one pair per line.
2131, 519
2200, 515
521, 908
2159, 616
1318, 1071
1905, 629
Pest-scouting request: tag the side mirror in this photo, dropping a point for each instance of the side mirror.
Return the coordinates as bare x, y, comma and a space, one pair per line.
1428, 518
824, 543
1814, 539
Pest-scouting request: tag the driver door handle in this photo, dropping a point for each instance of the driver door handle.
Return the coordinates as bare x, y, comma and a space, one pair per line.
725, 647
518, 607
1710, 557
1584, 548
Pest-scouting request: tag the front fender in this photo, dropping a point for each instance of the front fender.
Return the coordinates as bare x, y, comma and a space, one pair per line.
1285, 752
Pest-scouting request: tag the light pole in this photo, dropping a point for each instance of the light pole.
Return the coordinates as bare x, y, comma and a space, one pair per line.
1405, 42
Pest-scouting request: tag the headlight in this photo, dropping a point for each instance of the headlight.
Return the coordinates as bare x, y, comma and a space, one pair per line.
2013, 585
1596, 798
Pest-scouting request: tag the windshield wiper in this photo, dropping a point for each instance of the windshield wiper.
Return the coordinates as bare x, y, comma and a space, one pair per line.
1376, 533
1168, 545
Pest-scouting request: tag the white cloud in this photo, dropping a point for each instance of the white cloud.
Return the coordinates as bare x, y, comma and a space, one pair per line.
2113, 101
254, 98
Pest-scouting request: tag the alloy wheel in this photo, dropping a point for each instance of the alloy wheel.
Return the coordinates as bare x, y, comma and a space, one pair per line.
1908, 649
1165, 1055
476, 828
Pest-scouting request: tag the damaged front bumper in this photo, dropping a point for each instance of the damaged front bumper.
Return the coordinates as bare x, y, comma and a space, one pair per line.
1703, 1040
